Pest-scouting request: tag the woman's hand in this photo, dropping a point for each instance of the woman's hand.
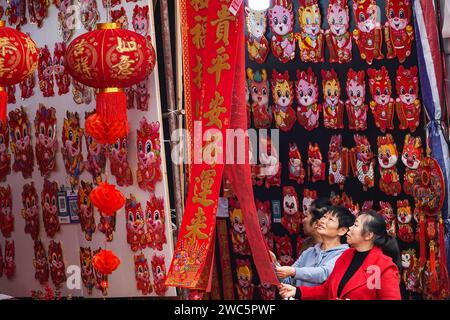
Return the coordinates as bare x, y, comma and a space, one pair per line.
284, 272
286, 290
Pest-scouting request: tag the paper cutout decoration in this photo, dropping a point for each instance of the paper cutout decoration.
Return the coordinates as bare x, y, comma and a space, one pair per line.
292, 216
382, 105
119, 163
338, 37
398, 31
20, 132
155, 220
268, 172
89, 14
27, 87
412, 155
159, 274
107, 225
37, 10
120, 16
72, 147
244, 274
96, 158
46, 142
333, 107
86, 210
57, 266
30, 211
64, 17
142, 94
149, 155
101, 280
267, 291
310, 38
9, 266
337, 162
283, 98
265, 221
307, 89
258, 85
81, 93
404, 219
284, 250
140, 20
136, 237
5, 156
6, 214
113, 3
316, 166
387, 212
367, 34
355, 105
239, 238
308, 197
87, 271
296, 170
49, 197
45, 72
387, 159
407, 104
362, 160
11, 92
16, 13
61, 75
1, 250
281, 22
142, 274
40, 263
411, 274
257, 44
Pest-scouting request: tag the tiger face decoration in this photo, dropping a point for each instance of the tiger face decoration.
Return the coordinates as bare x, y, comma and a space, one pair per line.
155, 219
20, 132
5, 156
57, 266
142, 274
6, 214
46, 142
86, 210
40, 263
30, 211
49, 196
87, 271
72, 147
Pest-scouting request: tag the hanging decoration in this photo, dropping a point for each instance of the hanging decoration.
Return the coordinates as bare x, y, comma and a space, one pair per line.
159, 274
6, 214
407, 104
257, 44
136, 237
40, 263
86, 210
411, 273
387, 212
382, 105
27, 87
333, 107
141, 20
281, 22
120, 16
284, 250
296, 171
72, 147
87, 272
10, 255
411, 157
107, 199
64, 19
316, 166
38, 10
101, 280
292, 217
103, 132
387, 160
239, 239
265, 221
311, 36
56, 261
118, 157
307, 89
30, 211
362, 161
338, 37
308, 197
81, 93
404, 218
244, 274
355, 105
107, 225
155, 220
16, 13
96, 158
337, 162
50, 217
46, 72
105, 262
5, 156
11, 92
46, 142
283, 97
142, 274
89, 14
258, 85
61, 75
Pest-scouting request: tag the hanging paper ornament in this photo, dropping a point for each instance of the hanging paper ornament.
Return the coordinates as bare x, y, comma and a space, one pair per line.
244, 274
355, 105
30, 211
96, 158
112, 3
89, 14
56, 261
27, 86
292, 216
40, 263
5, 156
268, 172
387, 159
142, 90
72, 136
65, 19
284, 250
9, 265
398, 31
120, 16
110, 59
87, 272
265, 221
141, 20
337, 162
404, 217
46, 142
119, 162
338, 37
308, 197
382, 105
333, 107
281, 22
258, 85
136, 237
411, 273
310, 38
296, 171
407, 104
86, 210
49, 196
149, 155
6, 214
107, 225
307, 89
11, 92
101, 280
105, 262
316, 166
411, 157
61, 75
283, 97
103, 132
257, 44
45, 72
38, 10
239, 238
81, 93
362, 161
387, 212
155, 220
107, 199
267, 291
142, 274
159, 274
16, 13
367, 34
19, 57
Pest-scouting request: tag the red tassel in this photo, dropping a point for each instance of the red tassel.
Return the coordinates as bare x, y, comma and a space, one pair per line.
112, 105
445, 284
3, 104
433, 272
423, 252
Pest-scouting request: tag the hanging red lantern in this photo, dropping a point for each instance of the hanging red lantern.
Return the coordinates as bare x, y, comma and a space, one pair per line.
110, 59
18, 60
105, 133
106, 262
107, 199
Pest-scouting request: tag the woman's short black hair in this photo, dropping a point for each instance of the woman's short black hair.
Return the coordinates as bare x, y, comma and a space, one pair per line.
345, 217
318, 208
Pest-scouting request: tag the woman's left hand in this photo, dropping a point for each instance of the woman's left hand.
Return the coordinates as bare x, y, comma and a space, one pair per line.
286, 290
284, 272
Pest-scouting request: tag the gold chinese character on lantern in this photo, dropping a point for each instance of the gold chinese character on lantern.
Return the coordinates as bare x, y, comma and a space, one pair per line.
78, 48
6, 46
206, 182
219, 63
195, 228
30, 45
223, 24
198, 32
126, 46
123, 68
81, 66
3, 70
215, 111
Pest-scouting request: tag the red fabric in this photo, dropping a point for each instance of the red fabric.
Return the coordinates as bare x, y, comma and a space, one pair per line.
357, 288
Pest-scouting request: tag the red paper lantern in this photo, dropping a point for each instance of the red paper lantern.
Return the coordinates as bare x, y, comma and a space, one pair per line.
18, 60
110, 59
105, 133
105, 262
107, 199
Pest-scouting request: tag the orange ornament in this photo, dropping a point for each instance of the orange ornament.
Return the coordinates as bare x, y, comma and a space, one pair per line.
105, 261
104, 132
107, 199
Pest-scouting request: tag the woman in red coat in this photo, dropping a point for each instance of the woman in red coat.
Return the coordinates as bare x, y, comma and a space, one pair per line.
367, 271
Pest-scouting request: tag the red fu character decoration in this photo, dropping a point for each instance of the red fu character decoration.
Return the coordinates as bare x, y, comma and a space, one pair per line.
18, 60
109, 59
